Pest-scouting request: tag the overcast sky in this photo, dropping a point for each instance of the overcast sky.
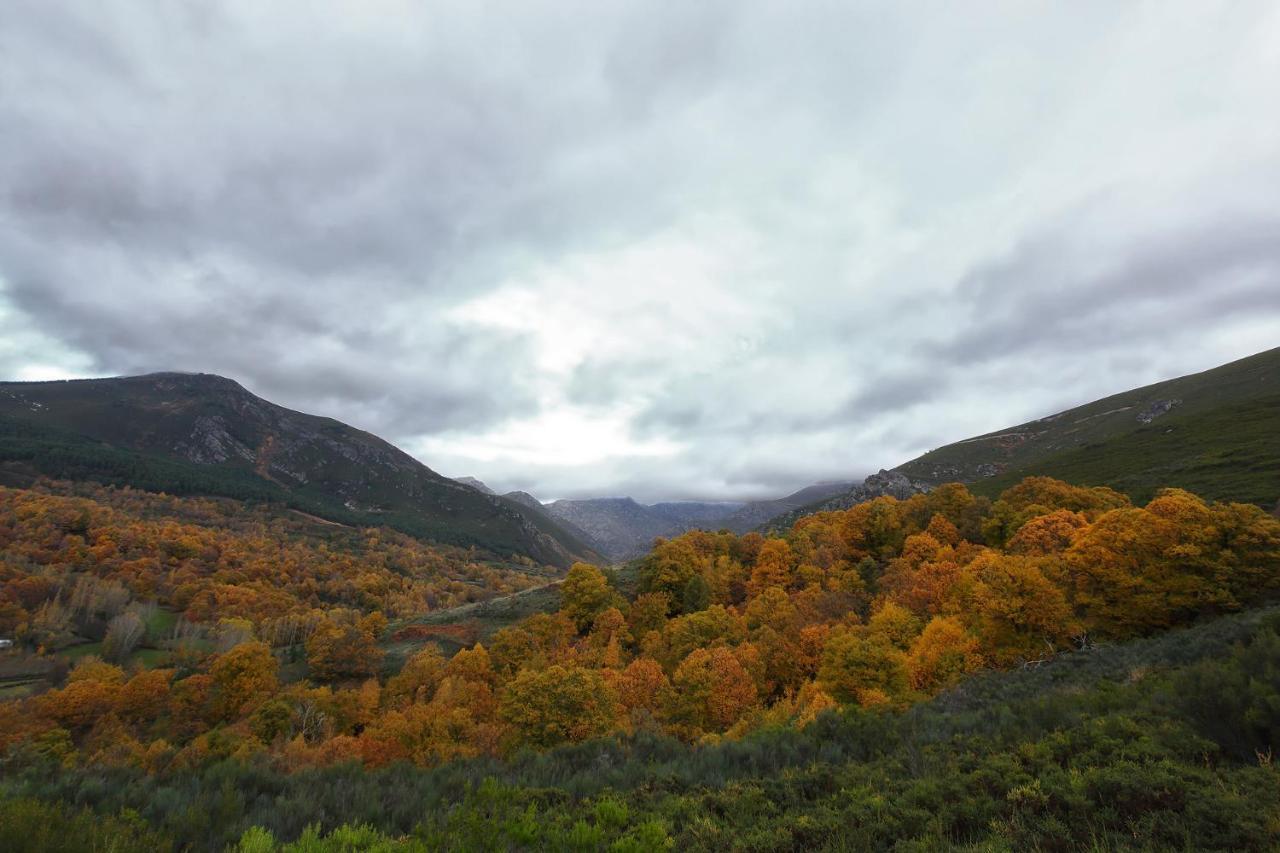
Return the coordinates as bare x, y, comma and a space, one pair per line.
670, 250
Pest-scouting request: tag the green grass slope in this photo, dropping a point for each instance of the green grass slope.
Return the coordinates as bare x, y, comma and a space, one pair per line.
1231, 453
1221, 439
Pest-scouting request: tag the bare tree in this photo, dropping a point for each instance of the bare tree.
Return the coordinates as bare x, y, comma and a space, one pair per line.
124, 632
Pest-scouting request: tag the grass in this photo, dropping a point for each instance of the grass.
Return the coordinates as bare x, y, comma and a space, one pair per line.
461, 627
145, 658
81, 650
160, 624
149, 658
1228, 453
1232, 406
15, 689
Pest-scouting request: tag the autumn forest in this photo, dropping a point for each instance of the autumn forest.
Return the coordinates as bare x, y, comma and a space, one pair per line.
165, 636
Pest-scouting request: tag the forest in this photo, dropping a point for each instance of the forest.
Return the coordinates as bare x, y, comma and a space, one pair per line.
1055, 668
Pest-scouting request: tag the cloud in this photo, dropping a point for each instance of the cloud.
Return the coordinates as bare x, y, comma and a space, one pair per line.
720, 250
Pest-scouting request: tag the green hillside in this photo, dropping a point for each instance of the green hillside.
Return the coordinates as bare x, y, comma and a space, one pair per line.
202, 434
1216, 433
1231, 453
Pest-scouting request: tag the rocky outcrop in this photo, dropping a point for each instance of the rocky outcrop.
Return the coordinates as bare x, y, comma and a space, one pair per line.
1156, 409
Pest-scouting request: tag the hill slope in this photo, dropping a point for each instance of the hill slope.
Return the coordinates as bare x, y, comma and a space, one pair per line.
1216, 433
758, 512
199, 433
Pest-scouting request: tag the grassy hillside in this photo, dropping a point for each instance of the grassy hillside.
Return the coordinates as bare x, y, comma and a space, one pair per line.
1219, 437
1229, 453
199, 434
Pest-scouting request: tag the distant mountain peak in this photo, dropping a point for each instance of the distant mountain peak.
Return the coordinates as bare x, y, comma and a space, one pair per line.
478, 485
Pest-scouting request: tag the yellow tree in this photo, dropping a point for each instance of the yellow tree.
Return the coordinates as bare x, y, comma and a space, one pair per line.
648, 612
643, 687
1250, 557
1019, 612
862, 668
714, 626
559, 705
418, 678
145, 696
895, 624
342, 651
472, 664
772, 608
1048, 534
711, 690
942, 654
773, 567
584, 594
242, 677
1134, 571
608, 637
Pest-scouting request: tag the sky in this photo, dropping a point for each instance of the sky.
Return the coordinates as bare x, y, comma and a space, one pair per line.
713, 250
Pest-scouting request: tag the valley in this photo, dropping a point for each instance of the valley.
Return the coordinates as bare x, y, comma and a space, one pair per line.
639, 427
181, 606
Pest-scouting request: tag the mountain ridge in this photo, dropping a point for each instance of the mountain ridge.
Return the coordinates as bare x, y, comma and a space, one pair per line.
622, 528
208, 422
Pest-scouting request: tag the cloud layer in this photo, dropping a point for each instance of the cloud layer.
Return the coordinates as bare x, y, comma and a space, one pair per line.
717, 251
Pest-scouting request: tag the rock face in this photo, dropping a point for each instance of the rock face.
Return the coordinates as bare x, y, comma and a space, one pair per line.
210, 421
1155, 409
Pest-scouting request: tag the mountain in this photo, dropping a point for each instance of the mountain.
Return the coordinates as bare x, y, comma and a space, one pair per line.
756, 513
1216, 433
526, 499
691, 514
619, 528
475, 484
200, 433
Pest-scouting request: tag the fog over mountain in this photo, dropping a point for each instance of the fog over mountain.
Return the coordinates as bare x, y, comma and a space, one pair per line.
713, 251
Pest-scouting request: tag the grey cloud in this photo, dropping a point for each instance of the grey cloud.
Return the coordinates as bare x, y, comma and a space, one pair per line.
895, 392
304, 200
1062, 289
